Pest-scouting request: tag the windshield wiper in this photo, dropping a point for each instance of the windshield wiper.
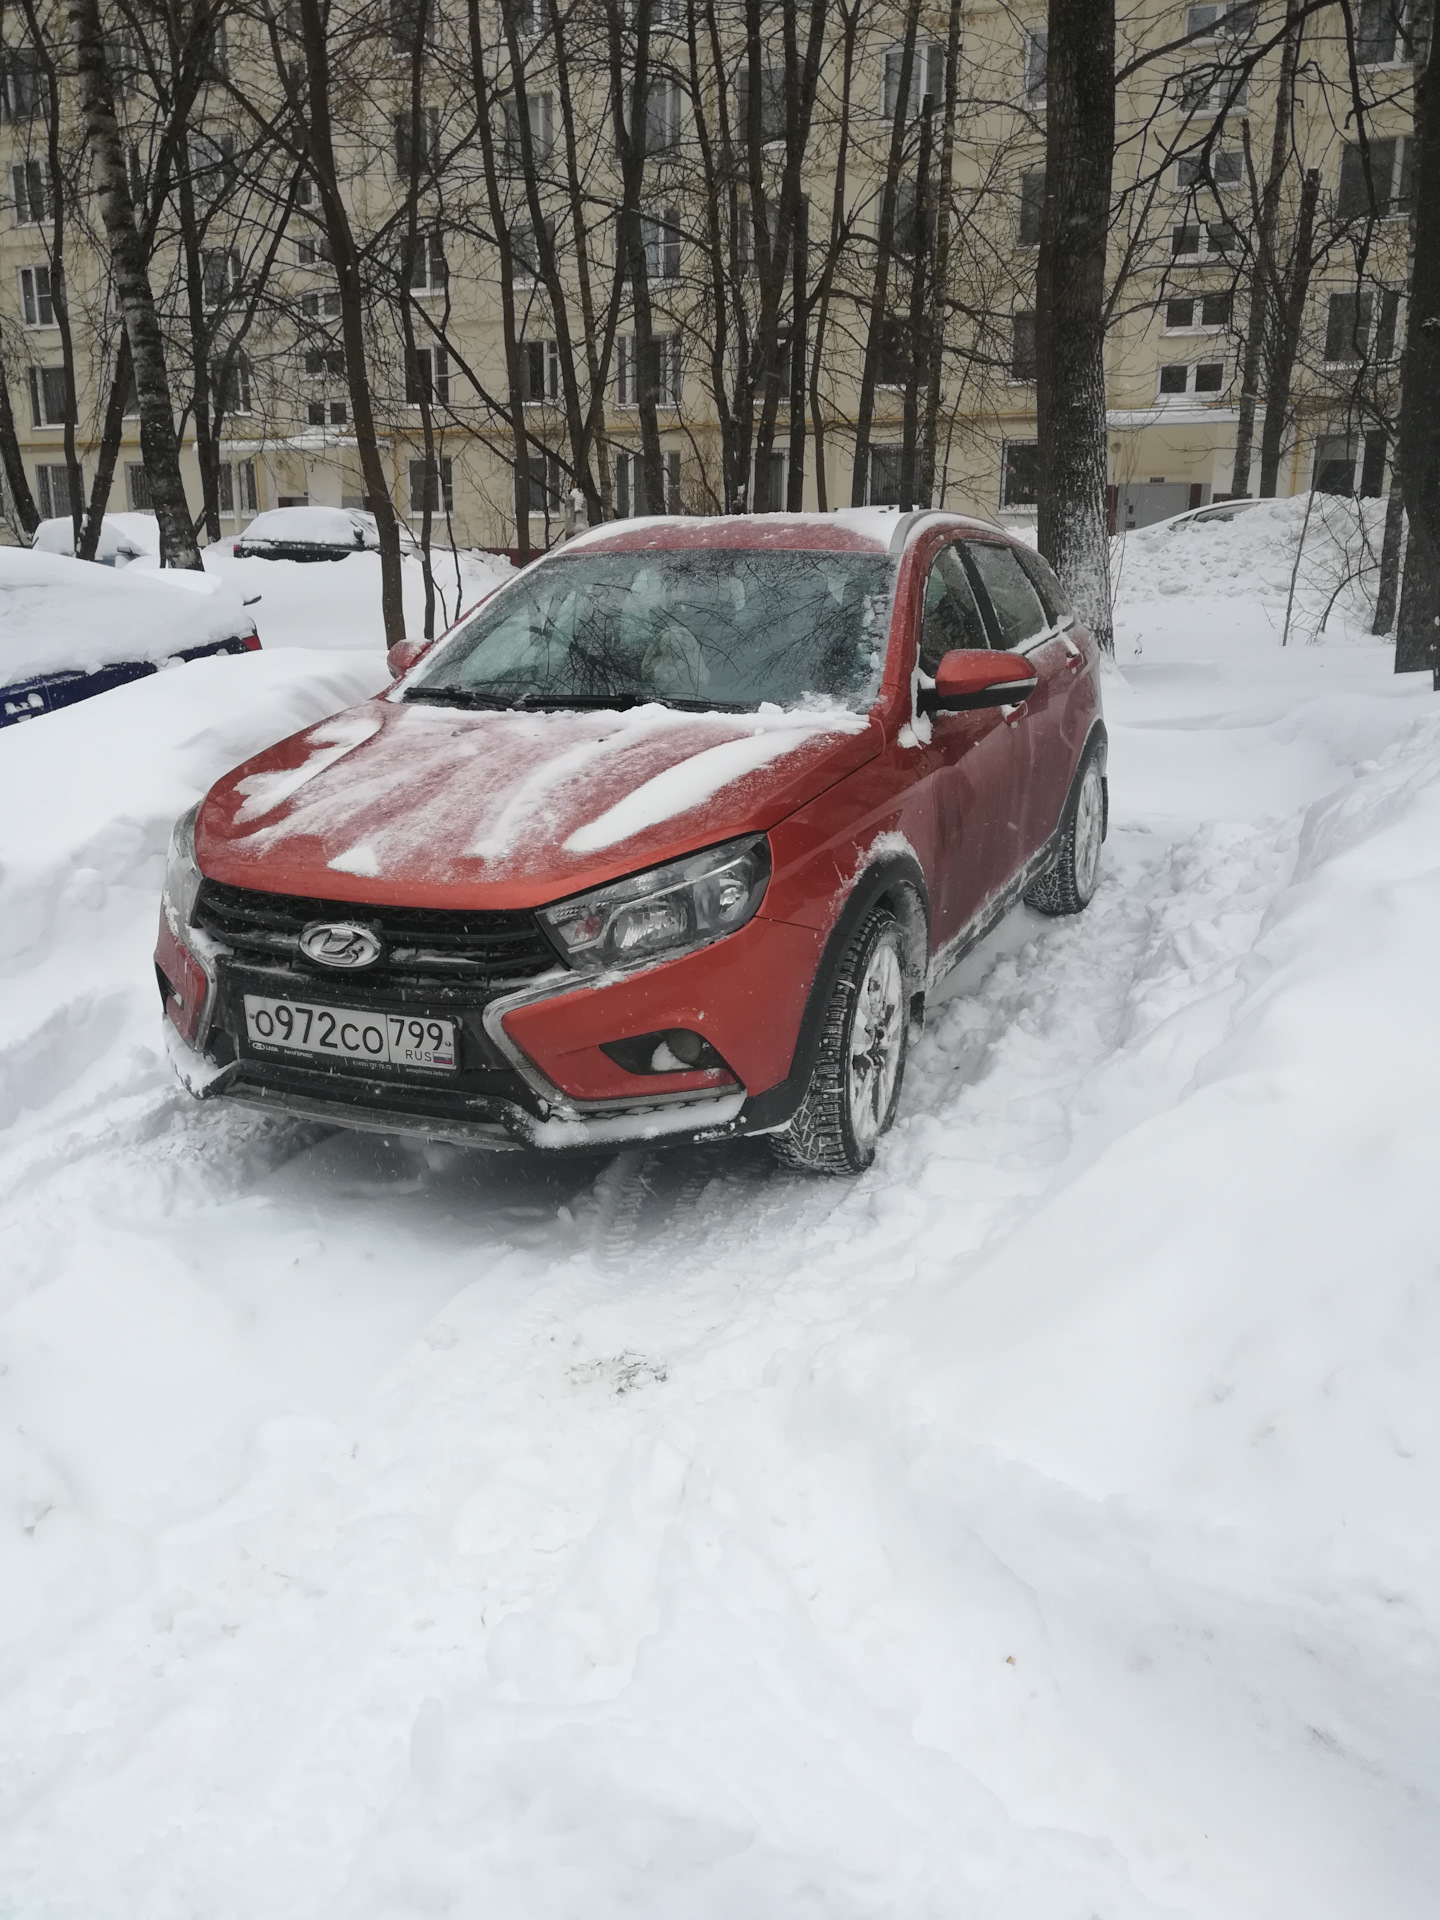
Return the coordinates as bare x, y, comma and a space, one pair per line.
621, 702
455, 697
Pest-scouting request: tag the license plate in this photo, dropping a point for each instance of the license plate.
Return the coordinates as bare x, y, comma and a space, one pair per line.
350, 1033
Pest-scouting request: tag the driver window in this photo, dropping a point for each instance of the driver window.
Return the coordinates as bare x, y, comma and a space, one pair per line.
1018, 611
951, 618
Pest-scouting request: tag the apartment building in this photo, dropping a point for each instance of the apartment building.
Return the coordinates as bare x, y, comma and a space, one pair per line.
243, 273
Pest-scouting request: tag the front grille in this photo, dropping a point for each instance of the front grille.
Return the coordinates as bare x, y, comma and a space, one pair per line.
428, 946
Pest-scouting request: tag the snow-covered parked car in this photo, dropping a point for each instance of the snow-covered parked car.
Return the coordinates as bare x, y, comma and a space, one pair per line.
1218, 511
124, 538
308, 533
70, 629
667, 840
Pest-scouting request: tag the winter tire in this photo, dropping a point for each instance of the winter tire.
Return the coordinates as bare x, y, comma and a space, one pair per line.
855, 1084
1070, 884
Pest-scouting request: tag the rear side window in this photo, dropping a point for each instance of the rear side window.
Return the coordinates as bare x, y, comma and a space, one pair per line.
1018, 612
951, 618
1043, 578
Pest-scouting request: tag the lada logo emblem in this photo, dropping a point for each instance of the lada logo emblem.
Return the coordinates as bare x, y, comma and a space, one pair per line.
340, 943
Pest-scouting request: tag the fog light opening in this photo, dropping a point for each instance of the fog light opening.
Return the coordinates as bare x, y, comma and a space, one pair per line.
674, 1050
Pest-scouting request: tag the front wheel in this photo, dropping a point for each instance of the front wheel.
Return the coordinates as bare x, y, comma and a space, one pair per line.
855, 1085
1070, 884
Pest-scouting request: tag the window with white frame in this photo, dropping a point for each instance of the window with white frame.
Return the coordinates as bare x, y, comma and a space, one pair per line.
658, 379
1202, 379
630, 490
1233, 22
212, 166
33, 193
894, 357
219, 275
772, 105
22, 83
432, 485
312, 250
324, 305
37, 304
1203, 240
1032, 207
1378, 178
660, 234
405, 128
1349, 318
539, 371
236, 487
52, 488
428, 271
662, 115
1212, 90
1379, 33
327, 412
927, 79
883, 478
407, 19
1222, 167
49, 405
526, 16
540, 115
547, 482
1022, 349
427, 376
322, 363
525, 248
1199, 312
1020, 473
230, 379
777, 476
1036, 52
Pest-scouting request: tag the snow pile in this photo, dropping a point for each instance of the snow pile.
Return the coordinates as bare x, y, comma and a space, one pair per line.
123, 537
59, 614
1044, 1524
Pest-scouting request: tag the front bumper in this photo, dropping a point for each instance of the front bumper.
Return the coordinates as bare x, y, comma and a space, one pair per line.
532, 1072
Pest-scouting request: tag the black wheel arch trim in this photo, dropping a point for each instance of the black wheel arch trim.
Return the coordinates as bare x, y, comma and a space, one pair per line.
894, 875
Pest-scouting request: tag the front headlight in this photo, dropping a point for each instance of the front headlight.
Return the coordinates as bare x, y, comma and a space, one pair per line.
684, 904
182, 876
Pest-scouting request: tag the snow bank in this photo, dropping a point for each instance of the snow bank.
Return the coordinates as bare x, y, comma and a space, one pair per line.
57, 613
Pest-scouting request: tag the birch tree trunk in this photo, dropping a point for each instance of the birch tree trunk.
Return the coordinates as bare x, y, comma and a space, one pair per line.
1285, 346
159, 447
1070, 305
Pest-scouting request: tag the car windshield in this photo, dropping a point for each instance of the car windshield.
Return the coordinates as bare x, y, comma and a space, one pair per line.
691, 627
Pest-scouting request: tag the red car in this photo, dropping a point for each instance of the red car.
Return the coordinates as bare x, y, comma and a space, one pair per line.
668, 839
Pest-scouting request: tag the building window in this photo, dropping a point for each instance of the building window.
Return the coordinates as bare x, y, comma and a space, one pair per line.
777, 475
884, 475
212, 166
36, 301
1203, 377
405, 21
630, 485
312, 250
660, 234
1032, 207
1198, 313
1347, 327
22, 83
321, 306
1203, 240
137, 488
1234, 22
47, 397
540, 113
326, 413
1036, 45
1334, 464
1378, 38
52, 485
324, 360
894, 360
234, 482
432, 485
1022, 348
547, 482
429, 156
525, 249
539, 371
1020, 473
32, 191
231, 380
427, 377
772, 106
1223, 168
1390, 177
659, 380
1212, 90
927, 79
428, 271
219, 275
662, 116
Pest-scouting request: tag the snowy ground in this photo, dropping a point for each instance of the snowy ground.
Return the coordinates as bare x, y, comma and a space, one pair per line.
1043, 1525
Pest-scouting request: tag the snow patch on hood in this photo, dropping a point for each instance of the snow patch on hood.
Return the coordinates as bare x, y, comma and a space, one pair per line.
264, 792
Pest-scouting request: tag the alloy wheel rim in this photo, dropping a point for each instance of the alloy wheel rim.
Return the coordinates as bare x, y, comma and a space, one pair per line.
876, 1037
1088, 814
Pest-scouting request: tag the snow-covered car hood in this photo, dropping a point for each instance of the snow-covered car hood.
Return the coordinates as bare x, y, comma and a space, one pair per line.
389, 802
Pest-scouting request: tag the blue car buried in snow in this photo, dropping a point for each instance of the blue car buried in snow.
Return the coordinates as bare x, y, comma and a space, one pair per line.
70, 629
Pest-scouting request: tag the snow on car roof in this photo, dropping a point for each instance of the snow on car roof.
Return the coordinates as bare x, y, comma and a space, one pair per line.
312, 527
851, 529
59, 615
130, 534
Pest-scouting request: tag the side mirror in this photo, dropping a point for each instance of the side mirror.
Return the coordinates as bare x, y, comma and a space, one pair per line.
405, 654
975, 677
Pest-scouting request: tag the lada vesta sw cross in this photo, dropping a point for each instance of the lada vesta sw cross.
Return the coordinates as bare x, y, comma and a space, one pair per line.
666, 840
